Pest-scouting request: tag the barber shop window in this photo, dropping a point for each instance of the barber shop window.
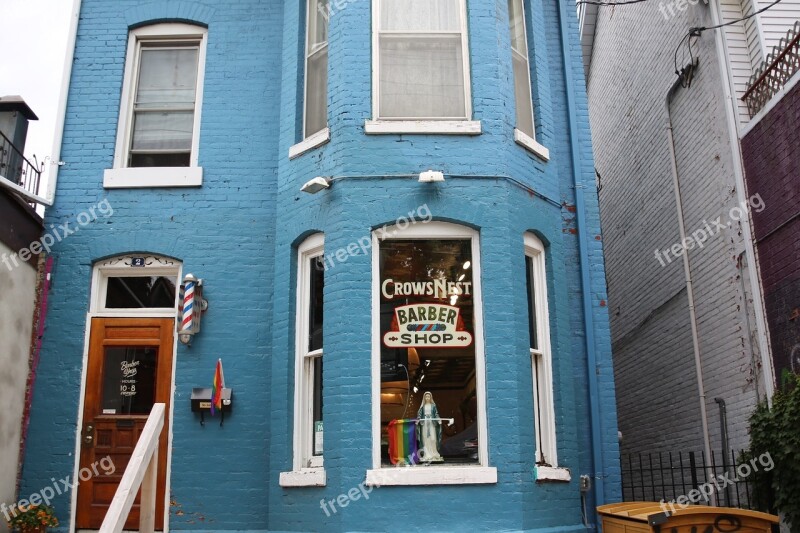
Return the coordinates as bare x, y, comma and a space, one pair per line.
430, 348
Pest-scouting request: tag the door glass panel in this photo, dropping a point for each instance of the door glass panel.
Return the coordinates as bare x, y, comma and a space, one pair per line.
140, 292
129, 380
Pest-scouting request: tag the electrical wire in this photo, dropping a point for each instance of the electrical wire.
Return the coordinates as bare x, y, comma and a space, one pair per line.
601, 3
751, 15
695, 32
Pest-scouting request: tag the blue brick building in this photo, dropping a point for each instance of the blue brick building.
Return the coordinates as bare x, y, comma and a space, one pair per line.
194, 133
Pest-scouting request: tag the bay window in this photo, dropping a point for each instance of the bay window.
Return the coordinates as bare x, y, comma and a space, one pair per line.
315, 117
420, 64
428, 366
524, 131
308, 405
540, 353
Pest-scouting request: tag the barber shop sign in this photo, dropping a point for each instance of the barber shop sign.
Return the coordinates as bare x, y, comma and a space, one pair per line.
427, 325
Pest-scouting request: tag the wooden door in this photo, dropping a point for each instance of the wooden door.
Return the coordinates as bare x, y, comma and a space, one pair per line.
129, 369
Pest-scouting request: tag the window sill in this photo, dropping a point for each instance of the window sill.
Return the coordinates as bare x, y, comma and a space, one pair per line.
431, 475
309, 143
311, 477
423, 127
548, 473
139, 177
531, 145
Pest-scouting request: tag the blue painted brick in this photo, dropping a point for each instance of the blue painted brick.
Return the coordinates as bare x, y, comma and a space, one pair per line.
239, 231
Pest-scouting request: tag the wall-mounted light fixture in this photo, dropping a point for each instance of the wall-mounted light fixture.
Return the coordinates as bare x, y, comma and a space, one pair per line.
192, 305
315, 185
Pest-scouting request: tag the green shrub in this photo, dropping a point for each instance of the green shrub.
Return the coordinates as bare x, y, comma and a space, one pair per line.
776, 431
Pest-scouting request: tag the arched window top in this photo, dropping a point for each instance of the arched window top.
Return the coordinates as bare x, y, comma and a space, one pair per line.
135, 284
533, 245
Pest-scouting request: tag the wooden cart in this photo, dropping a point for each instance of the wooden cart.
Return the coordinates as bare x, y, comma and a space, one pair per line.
652, 517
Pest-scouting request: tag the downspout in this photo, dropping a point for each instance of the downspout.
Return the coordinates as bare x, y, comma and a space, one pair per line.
61, 113
583, 245
732, 121
698, 363
723, 423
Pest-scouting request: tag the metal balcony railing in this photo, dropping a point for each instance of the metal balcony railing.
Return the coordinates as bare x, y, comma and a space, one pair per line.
778, 67
16, 169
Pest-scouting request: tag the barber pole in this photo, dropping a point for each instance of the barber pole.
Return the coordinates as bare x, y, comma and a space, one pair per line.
192, 304
188, 304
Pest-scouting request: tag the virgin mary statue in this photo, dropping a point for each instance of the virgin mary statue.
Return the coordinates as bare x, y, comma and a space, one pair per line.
429, 430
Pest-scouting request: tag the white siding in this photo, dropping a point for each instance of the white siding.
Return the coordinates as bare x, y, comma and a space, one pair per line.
752, 28
739, 54
778, 20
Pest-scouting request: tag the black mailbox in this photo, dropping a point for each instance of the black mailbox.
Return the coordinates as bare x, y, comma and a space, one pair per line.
201, 402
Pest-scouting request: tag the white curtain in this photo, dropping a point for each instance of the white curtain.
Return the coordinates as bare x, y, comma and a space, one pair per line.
421, 59
165, 99
421, 15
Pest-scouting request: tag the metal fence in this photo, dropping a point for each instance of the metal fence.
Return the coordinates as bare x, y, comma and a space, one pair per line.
669, 475
16, 169
778, 67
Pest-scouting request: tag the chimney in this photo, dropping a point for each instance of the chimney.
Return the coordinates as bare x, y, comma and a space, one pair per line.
14, 117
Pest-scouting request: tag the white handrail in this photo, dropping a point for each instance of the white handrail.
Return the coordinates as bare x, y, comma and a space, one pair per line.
142, 470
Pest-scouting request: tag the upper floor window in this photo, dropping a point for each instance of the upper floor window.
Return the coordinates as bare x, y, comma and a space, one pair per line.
159, 118
541, 359
524, 132
420, 60
522, 73
315, 110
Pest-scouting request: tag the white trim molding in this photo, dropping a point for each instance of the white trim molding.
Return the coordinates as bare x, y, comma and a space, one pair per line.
530, 144
548, 473
423, 127
307, 477
309, 143
141, 177
432, 475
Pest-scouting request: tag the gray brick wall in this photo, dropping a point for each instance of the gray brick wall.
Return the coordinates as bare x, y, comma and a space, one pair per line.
657, 399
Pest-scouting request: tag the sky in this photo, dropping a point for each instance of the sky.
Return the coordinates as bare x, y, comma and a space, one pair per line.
33, 41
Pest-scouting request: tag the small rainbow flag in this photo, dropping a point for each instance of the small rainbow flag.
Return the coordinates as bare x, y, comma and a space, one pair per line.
216, 390
402, 441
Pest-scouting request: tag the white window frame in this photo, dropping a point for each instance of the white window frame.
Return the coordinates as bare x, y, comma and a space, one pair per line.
546, 459
120, 266
520, 137
307, 54
429, 475
317, 138
123, 176
421, 125
307, 469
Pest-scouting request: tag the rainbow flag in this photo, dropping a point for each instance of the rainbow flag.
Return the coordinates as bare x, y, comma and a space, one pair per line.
216, 389
403, 441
